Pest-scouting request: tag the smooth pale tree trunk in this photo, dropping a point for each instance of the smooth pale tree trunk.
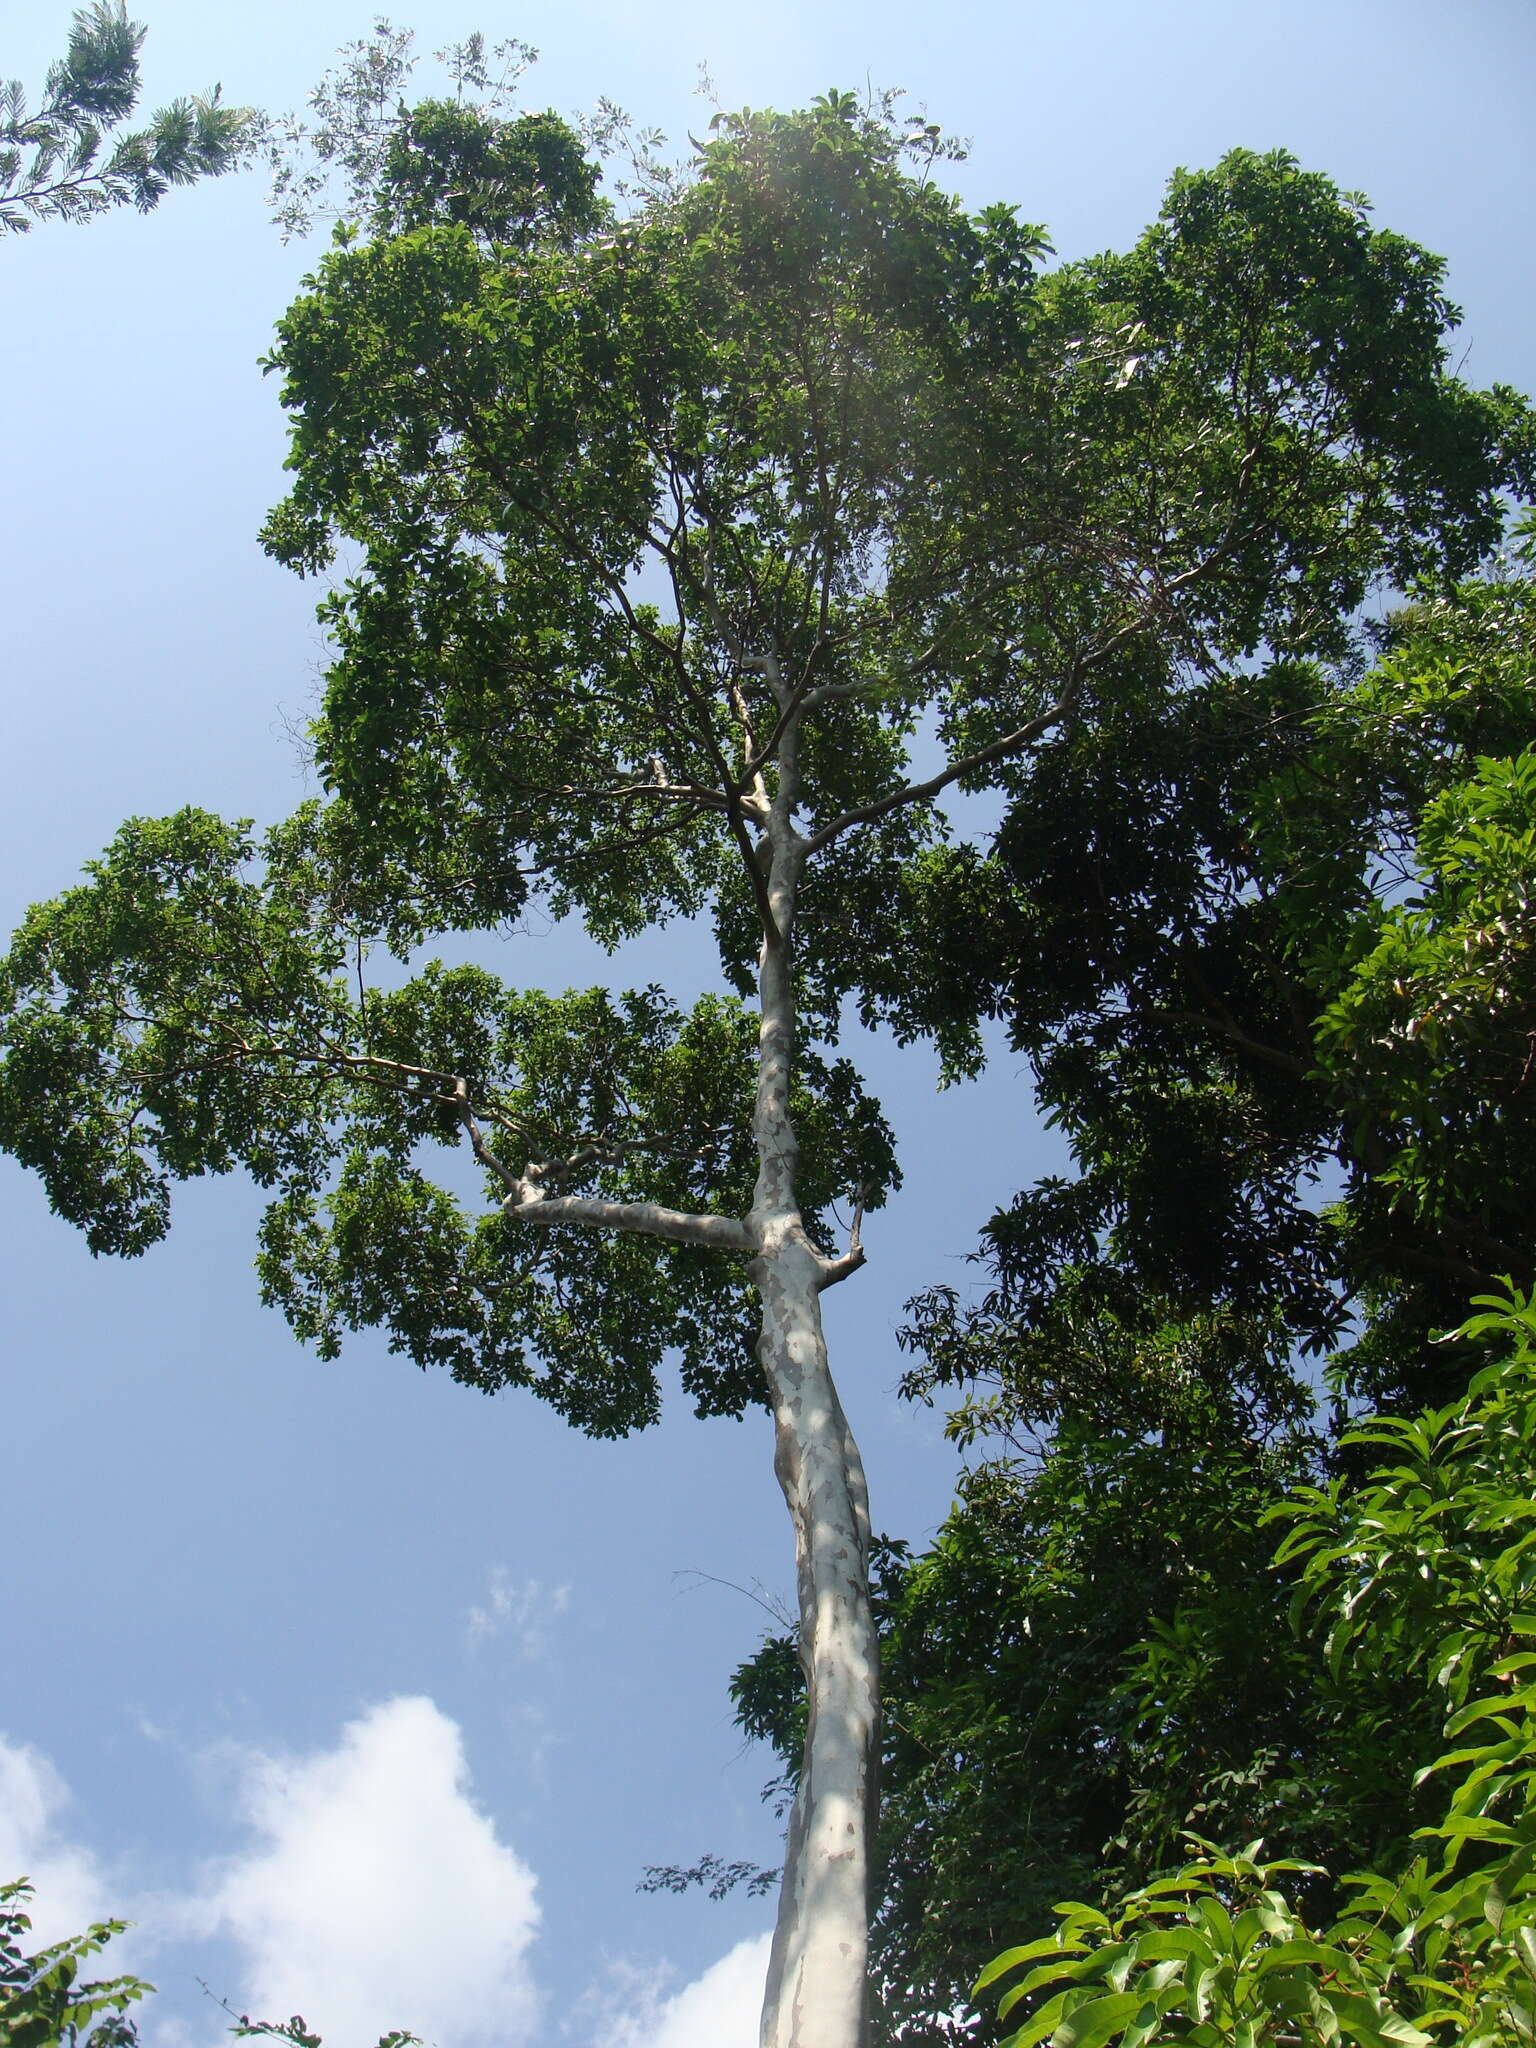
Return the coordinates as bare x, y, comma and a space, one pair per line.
816, 1993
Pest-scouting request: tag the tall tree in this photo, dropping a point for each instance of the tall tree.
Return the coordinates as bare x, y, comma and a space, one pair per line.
701, 552
51, 162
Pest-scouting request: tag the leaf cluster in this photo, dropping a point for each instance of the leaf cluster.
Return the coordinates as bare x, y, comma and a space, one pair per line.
353, 130
52, 160
1262, 946
1213, 1955
43, 2001
195, 1008
1420, 1570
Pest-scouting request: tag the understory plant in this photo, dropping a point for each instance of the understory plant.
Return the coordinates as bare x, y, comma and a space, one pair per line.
1425, 1567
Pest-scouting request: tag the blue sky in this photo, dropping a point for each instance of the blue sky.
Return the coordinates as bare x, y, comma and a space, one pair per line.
350, 1684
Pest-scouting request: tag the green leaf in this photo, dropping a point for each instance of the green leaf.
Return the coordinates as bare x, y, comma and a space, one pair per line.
1013, 1958
1098, 2021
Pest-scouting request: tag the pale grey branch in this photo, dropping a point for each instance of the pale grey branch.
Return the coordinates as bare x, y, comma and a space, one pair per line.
530, 1204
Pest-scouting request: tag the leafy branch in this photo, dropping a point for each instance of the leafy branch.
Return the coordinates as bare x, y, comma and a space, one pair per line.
52, 161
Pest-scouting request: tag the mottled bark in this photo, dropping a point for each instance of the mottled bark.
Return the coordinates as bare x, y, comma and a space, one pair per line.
815, 1996
816, 1993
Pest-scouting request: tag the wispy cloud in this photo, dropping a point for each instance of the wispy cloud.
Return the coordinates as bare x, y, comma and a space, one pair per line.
523, 1607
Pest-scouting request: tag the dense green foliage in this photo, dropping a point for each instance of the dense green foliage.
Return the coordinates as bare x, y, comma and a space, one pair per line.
202, 1017
1416, 1585
51, 161
1229, 996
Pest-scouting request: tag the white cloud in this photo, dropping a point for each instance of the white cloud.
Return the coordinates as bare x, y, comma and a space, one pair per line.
721, 2009
375, 1895
379, 1895
524, 1607
70, 1889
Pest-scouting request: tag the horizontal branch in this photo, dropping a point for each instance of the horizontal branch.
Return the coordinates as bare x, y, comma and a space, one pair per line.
430, 1084
530, 1204
1226, 1027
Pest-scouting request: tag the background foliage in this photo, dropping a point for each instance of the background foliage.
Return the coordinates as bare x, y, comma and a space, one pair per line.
1414, 1580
